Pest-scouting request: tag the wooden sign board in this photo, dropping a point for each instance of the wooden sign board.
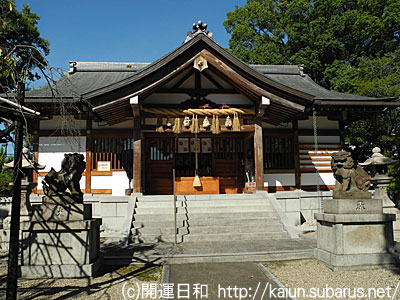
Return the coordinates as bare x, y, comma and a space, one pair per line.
103, 166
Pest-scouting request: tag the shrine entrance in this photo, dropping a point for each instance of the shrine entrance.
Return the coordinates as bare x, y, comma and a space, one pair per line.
220, 163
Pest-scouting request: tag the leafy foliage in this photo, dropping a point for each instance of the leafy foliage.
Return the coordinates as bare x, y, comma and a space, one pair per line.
350, 46
314, 33
19, 41
5, 174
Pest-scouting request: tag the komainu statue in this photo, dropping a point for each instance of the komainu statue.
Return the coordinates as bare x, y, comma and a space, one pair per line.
351, 181
57, 183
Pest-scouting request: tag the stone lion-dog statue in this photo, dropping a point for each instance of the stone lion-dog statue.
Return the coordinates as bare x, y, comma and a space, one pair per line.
351, 181
56, 183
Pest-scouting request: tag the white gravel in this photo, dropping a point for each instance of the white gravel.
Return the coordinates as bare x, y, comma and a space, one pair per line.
311, 274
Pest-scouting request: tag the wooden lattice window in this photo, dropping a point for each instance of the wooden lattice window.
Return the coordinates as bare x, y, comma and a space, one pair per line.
118, 151
278, 153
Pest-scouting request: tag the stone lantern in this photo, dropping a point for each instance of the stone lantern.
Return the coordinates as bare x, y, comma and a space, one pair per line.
378, 164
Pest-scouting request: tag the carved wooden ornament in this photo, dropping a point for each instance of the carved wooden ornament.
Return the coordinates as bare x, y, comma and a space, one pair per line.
200, 63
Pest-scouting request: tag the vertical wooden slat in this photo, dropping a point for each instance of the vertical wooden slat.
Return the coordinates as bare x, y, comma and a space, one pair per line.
258, 155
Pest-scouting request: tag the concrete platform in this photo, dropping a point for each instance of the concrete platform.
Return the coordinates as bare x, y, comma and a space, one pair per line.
233, 251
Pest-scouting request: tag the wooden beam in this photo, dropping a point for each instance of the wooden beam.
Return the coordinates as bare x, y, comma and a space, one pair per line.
192, 92
258, 155
182, 80
212, 80
244, 82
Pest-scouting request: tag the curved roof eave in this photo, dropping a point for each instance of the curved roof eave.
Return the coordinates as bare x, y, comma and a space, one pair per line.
153, 67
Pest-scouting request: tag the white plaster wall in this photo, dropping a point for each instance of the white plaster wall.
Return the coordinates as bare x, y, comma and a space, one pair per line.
56, 122
102, 182
52, 150
321, 139
322, 123
118, 182
285, 179
323, 179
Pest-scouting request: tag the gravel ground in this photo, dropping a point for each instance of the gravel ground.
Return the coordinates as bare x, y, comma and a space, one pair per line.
109, 285
311, 273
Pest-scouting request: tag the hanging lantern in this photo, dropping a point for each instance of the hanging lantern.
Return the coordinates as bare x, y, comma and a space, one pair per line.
228, 122
206, 123
186, 122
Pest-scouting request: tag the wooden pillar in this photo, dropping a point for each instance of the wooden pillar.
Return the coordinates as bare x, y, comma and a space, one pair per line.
35, 154
342, 133
137, 156
89, 149
296, 151
258, 155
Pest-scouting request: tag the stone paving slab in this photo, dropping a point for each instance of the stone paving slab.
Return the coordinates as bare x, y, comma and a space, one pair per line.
161, 252
222, 281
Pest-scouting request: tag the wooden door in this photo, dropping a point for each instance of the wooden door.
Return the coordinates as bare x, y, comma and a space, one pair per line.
160, 160
228, 158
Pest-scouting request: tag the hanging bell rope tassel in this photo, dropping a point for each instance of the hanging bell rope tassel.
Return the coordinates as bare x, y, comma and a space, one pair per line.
195, 124
196, 181
217, 126
177, 126
236, 123
213, 124
160, 127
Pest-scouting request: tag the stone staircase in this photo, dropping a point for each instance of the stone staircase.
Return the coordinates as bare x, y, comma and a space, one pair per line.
206, 218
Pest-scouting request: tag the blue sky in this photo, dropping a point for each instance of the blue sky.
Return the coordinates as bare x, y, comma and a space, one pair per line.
123, 30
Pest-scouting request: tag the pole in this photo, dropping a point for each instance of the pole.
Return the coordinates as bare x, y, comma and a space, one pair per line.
12, 275
173, 186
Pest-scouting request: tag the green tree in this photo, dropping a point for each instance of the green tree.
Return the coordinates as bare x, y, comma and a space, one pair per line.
318, 34
350, 46
20, 41
5, 174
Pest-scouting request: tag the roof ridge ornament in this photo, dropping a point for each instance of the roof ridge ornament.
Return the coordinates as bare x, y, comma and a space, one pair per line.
198, 28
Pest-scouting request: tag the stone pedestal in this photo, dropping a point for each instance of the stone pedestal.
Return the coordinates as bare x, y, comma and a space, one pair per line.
62, 240
354, 234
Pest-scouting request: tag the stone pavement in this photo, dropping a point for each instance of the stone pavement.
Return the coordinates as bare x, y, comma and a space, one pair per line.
212, 281
233, 251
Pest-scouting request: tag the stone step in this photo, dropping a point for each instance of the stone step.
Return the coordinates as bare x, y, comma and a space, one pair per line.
200, 210
205, 229
234, 237
204, 216
260, 221
212, 237
201, 203
145, 231
234, 229
159, 224
208, 222
219, 197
